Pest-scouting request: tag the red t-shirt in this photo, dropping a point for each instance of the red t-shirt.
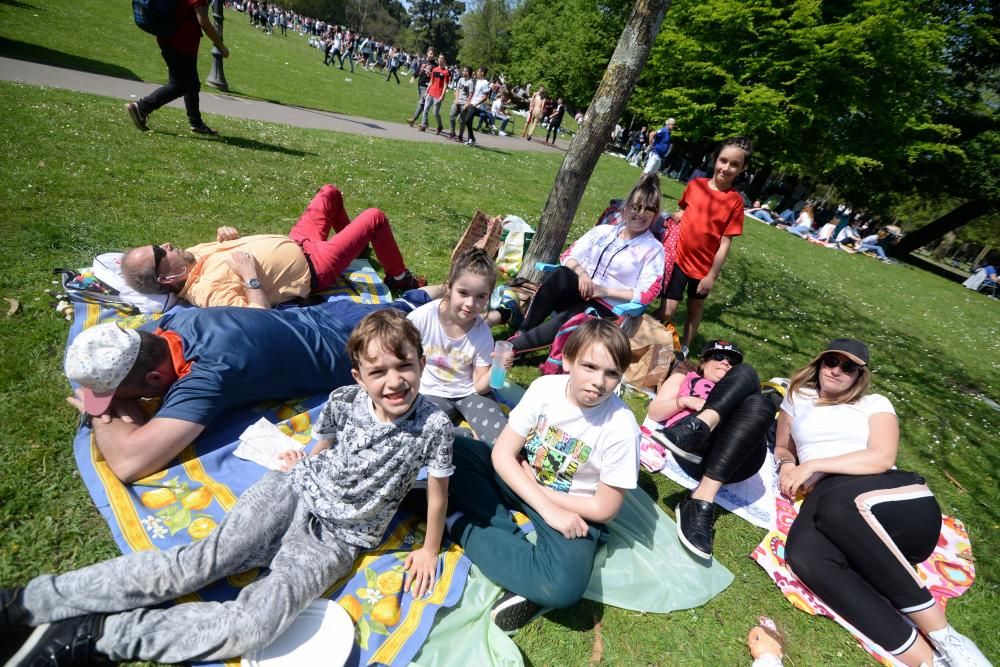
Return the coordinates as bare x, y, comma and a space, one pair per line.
439, 79
708, 216
188, 34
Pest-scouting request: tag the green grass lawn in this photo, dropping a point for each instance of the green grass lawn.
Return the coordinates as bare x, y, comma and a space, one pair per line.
275, 68
78, 182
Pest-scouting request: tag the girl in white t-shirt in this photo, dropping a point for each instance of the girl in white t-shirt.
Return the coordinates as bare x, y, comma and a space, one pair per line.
458, 346
864, 523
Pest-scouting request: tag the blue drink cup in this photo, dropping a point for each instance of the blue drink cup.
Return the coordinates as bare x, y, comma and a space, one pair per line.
498, 374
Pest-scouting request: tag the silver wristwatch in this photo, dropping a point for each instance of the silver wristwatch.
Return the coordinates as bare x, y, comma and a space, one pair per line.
253, 283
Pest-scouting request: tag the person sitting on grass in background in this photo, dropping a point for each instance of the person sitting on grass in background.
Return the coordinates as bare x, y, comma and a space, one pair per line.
607, 266
264, 270
565, 459
864, 523
459, 346
307, 526
711, 214
714, 420
761, 211
803, 224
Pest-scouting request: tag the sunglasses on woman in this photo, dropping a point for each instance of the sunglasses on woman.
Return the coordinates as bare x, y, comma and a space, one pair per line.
723, 356
636, 208
846, 365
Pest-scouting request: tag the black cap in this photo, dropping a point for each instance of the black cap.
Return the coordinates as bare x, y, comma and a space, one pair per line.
723, 346
851, 348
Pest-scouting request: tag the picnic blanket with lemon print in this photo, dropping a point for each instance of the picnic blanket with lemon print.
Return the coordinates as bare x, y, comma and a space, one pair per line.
948, 572
186, 502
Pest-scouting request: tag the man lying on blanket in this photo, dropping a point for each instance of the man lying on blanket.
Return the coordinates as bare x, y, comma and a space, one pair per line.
202, 362
267, 269
307, 526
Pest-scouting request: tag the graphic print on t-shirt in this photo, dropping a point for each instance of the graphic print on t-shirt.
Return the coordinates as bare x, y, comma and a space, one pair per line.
450, 363
555, 455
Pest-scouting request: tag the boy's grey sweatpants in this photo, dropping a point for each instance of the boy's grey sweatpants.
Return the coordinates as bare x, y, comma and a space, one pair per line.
268, 527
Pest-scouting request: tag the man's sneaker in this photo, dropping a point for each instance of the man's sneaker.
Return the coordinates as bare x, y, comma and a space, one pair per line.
470, 142
203, 129
695, 521
63, 644
410, 121
138, 117
956, 649
512, 612
14, 626
423, 128
440, 130
686, 439
509, 302
502, 133
407, 282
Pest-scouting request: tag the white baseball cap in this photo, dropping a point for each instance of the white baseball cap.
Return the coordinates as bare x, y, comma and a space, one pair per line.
99, 359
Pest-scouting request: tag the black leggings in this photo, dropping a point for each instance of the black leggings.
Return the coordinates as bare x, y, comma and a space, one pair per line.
737, 445
553, 131
470, 115
559, 296
854, 543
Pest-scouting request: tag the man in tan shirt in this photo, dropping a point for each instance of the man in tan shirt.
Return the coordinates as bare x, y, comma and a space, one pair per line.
264, 270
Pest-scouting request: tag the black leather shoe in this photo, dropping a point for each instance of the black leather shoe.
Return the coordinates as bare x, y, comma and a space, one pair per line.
686, 438
66, 643
14, 627
695, 526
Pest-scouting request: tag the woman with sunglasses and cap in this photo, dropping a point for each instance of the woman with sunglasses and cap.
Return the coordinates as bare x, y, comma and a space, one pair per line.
607, 266
863, 523
714, 420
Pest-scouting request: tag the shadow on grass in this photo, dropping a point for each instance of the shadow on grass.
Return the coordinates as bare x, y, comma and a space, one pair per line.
21, 5
252, 145
583, 616
39, 54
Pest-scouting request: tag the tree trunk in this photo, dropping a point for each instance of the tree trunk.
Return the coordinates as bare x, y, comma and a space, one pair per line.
759, 179
585, 149
936, 229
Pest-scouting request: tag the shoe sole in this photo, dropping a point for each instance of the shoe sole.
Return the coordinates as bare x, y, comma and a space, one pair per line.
133, 113
695, 551
677, 451
28, 646
510, 619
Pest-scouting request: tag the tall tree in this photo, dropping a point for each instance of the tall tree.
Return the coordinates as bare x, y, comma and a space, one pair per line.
606, 107
565, 44
435, 22
486, 32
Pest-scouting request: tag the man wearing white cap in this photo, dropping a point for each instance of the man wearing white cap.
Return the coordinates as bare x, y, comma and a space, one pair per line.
203, 361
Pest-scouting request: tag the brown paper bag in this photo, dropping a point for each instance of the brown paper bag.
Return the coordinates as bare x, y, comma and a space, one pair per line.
482, 232
653, 353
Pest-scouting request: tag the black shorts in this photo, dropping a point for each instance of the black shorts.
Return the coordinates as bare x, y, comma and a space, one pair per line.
678, 282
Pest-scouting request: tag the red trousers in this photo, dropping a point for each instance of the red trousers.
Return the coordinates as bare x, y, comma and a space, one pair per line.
330, 257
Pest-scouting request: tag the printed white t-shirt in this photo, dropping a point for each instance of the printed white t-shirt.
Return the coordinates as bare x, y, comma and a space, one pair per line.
450, 361
481, 91
571, 448
822, 431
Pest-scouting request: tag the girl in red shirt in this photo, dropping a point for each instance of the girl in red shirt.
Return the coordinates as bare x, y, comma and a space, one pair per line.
711, 214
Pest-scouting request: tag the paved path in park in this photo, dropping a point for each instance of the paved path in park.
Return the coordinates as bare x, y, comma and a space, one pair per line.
245, 108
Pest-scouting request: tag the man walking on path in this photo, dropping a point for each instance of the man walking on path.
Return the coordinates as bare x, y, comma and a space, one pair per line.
180, 52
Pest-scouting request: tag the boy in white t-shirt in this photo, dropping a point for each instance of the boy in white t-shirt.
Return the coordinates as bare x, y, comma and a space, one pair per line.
566, 458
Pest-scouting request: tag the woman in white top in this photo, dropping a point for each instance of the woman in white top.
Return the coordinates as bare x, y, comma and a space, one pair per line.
863, 523
803, 224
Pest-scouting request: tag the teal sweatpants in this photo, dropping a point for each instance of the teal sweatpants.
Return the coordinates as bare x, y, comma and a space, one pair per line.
553, 572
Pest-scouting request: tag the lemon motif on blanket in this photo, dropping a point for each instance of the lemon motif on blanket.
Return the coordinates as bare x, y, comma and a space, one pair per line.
386, 611
198, 499
151, 478
352, 607
390, 583
201, 528
158, 498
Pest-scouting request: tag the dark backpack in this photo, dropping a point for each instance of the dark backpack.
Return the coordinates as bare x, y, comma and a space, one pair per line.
157, 17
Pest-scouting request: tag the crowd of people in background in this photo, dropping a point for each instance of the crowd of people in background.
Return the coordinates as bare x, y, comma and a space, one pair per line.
479, 102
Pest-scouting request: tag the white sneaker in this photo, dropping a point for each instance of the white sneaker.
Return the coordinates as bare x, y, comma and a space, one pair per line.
502, 133
957, 649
